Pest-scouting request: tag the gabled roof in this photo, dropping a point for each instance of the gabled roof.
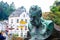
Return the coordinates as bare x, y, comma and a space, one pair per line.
17, 12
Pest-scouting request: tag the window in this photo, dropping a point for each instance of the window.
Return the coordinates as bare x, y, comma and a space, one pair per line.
21, 19
26, 20
21, 29
25, 36
11, 20
24, 15
11, 26
21, 34
25, 27
17, 20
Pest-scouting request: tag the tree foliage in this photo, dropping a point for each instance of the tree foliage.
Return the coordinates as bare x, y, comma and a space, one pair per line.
55, 13
6, 10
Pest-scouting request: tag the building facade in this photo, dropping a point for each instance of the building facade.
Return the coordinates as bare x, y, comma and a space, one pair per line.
18, 20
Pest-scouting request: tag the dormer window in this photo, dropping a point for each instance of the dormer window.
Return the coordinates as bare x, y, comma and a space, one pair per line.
24, 15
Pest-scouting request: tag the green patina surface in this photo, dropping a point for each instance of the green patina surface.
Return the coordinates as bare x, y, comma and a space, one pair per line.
39, 28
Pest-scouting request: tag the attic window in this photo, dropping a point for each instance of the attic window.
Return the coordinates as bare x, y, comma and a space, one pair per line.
24, 15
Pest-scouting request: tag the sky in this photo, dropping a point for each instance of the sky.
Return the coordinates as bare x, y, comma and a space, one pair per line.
44, 4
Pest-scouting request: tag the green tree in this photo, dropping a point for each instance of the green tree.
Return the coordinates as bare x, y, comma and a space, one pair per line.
6, 10
55, 12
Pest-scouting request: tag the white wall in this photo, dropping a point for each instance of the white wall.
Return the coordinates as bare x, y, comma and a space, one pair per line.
15, 24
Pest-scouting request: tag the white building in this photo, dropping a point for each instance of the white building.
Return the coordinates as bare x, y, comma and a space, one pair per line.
3, 25
18, 20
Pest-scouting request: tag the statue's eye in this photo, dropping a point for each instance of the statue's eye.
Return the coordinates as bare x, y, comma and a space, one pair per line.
33, 9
